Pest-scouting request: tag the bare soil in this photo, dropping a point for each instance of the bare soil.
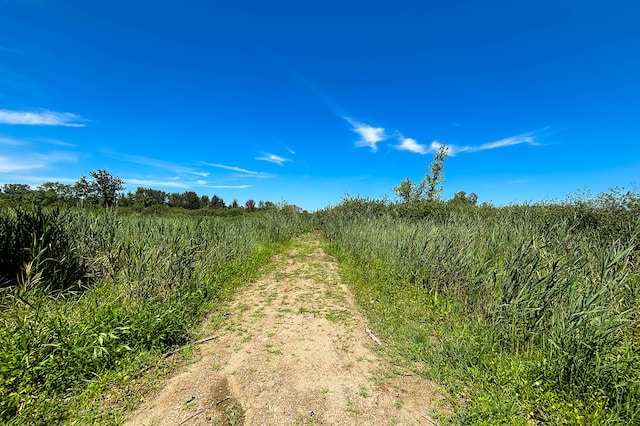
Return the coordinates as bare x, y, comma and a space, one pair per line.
293, 349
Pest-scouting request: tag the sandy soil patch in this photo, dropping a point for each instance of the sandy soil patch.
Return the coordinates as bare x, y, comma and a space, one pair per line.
293, 350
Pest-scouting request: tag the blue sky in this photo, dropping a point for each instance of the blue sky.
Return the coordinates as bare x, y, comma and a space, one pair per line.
306, 101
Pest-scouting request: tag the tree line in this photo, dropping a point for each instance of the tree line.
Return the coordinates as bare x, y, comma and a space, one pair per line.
102, 189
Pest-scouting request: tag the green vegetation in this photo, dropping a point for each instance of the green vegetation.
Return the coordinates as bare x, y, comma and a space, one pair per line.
86, 296
105, 190
526, 313
430, 187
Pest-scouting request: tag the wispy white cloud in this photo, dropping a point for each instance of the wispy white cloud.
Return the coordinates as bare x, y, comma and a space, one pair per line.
10, 141
241, 172
272, 158
41, 118
313, 89
156, 183
34, 180
8, 165
526, 138
33, 161
409, 144
228, 186
160, 164
177, 182
54, 142
369, 135
232, 168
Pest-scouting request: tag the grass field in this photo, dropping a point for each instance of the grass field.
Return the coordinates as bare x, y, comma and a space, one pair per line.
525, 314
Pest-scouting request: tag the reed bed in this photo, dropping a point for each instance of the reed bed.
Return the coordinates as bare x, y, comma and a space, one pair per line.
84, 294
526, 300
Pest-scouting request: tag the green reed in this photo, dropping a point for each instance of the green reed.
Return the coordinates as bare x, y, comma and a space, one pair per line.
146, 282
561, 296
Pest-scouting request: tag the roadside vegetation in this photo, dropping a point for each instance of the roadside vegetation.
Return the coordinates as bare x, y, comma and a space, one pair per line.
526, 314
90, 297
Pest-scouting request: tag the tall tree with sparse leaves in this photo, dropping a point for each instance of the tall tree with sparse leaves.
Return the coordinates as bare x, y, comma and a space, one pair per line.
431, 185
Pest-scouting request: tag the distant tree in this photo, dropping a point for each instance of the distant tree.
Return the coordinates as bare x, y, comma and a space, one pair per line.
54, 192
17, 193
234, 204
83, 191
431, 185
250, 205
204, 201
461, 198
126, 200
174, 199
289, 208
216, 203
102, 190
404, 190
147, 197
270, 205
190, 200
106, 187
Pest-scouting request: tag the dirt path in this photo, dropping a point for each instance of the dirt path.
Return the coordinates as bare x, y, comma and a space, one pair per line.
293, 350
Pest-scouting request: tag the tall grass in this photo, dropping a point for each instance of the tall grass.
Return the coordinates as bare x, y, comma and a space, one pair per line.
148, 281
556, 294
40, 243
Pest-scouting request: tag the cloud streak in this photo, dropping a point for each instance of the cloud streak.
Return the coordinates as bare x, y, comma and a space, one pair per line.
228, 186
369, 135
34, 181
41, 118
160, 164
10, 141
154, 182
33, 162
242, 172
173, 183
409, 144
272, 158
232, 168
526, 138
